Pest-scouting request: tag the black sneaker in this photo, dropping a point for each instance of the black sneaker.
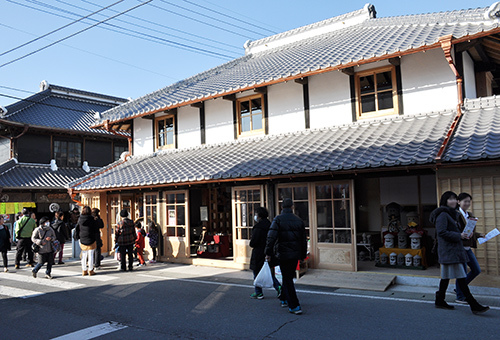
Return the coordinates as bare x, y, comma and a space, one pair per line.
48, 276
34, 273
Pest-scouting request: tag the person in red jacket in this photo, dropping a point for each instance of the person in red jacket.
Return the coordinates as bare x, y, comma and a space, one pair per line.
140, 244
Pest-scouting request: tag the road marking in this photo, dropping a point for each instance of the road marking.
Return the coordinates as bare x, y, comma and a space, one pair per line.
43, 281
18, 292
92, 332
310, 291
67, 273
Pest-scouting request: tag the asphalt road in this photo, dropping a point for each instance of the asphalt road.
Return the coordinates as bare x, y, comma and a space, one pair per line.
156, 303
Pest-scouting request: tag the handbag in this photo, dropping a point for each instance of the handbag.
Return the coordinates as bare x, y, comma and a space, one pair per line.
35, 247
56, 246
264, 279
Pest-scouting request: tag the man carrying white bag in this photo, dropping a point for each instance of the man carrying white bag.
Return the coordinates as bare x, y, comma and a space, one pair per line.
260, 267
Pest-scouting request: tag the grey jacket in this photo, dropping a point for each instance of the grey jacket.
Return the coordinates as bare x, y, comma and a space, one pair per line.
450, 247
38, 238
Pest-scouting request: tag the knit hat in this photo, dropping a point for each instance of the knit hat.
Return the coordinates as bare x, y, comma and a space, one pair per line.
287, 203
124, 213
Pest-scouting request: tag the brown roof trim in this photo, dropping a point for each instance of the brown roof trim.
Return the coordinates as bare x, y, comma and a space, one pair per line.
311, 73
261, 178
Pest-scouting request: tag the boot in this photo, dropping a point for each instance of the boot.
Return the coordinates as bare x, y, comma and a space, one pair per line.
84, 272
91, 273
475, 307
440, 302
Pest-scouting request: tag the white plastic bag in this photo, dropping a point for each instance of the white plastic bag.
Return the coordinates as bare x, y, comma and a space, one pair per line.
264, 279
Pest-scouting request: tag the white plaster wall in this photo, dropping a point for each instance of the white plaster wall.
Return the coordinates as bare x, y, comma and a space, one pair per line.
218, 121
143, 136
469, 76
428, 83
286, 107
329, 100
188, 127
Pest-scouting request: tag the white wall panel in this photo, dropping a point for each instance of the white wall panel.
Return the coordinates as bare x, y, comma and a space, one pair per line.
428, 83
188, 127
143, 136
286, 107
218, 121
329, 100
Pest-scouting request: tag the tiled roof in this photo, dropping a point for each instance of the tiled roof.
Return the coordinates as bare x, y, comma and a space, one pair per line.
405, 140
37, 176
358, 43
478, 133
61, 108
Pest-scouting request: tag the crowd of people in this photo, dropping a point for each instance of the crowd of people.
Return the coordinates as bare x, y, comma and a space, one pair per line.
45, 239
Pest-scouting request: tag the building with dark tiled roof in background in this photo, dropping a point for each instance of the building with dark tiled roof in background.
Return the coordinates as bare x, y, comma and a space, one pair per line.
344, 116
46, 142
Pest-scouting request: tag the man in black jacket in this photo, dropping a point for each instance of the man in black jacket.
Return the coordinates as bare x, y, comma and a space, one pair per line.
288, 233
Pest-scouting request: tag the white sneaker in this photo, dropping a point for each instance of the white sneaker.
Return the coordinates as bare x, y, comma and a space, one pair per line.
463, 302
5, 270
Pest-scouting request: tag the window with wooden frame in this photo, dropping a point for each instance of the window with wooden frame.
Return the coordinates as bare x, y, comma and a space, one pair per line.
67, 153
150, 208
376, 93
176, 213
250, 115
165, 132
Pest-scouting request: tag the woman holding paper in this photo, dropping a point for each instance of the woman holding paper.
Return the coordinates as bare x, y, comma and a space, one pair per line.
464, 202
451, 253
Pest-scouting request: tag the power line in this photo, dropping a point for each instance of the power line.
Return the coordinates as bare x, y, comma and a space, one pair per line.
14, 89
200, 21
72, 35
144, 27
96, 54
257, 21
58, 29
210, 17
174, 29
140, 36
227, 16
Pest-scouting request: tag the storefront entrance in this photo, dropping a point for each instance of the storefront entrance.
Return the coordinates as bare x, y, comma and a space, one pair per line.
327, 210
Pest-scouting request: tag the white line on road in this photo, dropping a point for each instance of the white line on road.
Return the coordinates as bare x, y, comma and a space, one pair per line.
92, 332
42, 281
68, 273
363, 296
18, 292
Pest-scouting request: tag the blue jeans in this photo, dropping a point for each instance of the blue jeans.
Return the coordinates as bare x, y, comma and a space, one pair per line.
276, 283
475, 270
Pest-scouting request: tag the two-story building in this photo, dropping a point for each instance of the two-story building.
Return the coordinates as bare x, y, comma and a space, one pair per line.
343, 116
46, 142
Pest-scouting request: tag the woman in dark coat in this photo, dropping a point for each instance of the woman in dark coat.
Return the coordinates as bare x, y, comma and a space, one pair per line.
451, 253
258, 243
87, 229
5, 242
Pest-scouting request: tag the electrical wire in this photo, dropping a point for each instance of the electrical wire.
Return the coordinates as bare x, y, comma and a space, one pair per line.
174, 29
227, 16
144, 27
14, 89
72, 35
200, 21
257, 21
98, 55
58, 29
140, 36
210, 17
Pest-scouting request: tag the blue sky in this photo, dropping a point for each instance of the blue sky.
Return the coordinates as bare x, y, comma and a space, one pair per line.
104, 60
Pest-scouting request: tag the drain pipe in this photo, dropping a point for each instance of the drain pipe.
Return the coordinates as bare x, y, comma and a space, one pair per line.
446, 46
129, 138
